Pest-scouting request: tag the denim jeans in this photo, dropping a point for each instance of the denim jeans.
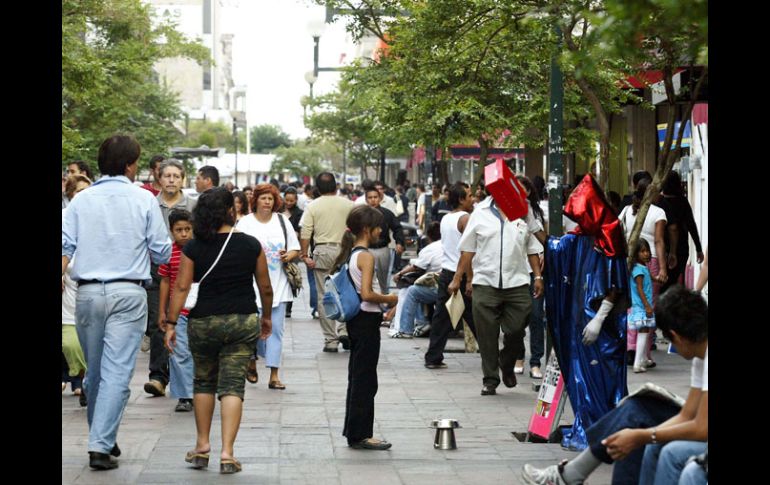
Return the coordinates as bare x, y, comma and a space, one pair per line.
313, 290
536, 323
693, 474
158, 354
111, 319
271, 349
663, 463
636, 412
180, 363
414, 298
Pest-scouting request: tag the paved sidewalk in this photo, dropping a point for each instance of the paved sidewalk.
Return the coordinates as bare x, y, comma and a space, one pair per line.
295, 436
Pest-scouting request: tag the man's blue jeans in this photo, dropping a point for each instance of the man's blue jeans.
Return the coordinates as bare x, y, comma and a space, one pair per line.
313, 290
663, 463
693, 474
414, 298
636, 412
180, 363
111, 319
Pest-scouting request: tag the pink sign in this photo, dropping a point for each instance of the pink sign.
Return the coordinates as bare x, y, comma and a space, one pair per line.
551, 392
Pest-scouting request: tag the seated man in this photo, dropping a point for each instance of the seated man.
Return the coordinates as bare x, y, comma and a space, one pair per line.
671, 435
411, 299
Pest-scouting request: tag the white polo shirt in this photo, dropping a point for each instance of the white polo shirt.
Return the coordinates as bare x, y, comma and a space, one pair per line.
501, 247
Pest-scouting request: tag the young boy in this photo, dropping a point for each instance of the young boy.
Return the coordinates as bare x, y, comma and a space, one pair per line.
180, 362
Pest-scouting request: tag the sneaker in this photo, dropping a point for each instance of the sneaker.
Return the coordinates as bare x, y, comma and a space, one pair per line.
314, 314
422, 331
440, 365
184, 406
328, 348
145, 344
639, 369
401, 335
155, 388
543, 476
649, 363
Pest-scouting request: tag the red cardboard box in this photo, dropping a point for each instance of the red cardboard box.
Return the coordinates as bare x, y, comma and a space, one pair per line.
509, 195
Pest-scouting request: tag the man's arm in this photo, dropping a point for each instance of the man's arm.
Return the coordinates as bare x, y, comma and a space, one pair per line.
165, 290
305, 234
64, 262
463, 267
398, 233
672, 229
158, 240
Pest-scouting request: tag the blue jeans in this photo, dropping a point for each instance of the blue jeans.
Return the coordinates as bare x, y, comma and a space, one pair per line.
313, 290
536, 322
180, 363
271, 349
636, 412
693, 474
662, 464
111, 319
415, 297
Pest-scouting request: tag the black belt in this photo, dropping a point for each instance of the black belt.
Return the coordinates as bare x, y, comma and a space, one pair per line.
121, 280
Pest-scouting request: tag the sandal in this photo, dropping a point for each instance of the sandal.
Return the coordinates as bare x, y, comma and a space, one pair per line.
198, 460
276, 385
251, 372
229, 465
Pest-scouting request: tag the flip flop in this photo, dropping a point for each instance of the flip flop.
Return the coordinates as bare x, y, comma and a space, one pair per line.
276, 385
198, 460
229, 466
251, 372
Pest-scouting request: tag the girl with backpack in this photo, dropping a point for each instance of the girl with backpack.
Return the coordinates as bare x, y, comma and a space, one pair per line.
363, 229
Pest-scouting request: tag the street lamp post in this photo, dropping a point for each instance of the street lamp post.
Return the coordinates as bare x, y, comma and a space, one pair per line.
235, 135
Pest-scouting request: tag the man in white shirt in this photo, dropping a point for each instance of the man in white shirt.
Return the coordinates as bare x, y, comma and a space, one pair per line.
647, 437
412, 298
498, 249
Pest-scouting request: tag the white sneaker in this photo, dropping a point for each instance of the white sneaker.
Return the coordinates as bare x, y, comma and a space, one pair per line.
542, 476
639, 369
145, 343
401, 335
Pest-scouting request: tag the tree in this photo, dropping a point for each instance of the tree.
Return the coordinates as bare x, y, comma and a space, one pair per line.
266, 138
214, 134
302, 158
108, 83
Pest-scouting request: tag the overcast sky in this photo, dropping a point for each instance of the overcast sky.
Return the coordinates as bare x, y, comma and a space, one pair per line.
272, 51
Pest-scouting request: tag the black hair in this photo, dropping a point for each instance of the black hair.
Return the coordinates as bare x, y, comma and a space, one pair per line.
212, 212
457, 193
640, 175
434, 231
420, 186
641, 243
534, 199
116, 153
367, 184
155, 160
83, 167
672, 184
379, 182
326, 183
316, 193
238, 194
210, 172
290, 190
539, 183
615, 201
360, 219
177, 215
683, 311
636, 200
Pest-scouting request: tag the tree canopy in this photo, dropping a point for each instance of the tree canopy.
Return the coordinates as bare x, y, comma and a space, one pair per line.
266, 138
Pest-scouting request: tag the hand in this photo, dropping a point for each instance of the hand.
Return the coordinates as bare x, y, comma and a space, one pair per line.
396, 277
539, 288
591, 332
620, 444
671, 261
700, 258
266, 327
162, 323
169, 340
283, 255
648, 310
399, 249
663, 275
309, 262
469, 289
454, 285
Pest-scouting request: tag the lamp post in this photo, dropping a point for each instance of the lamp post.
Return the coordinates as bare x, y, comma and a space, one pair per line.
235, 135
311, 77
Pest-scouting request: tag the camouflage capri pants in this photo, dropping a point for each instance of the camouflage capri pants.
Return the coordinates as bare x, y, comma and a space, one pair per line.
221, 346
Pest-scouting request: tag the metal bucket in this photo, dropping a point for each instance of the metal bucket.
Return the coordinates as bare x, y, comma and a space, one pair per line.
445, 433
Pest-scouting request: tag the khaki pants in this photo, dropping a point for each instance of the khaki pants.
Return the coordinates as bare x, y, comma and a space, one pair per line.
324, 256
495, 309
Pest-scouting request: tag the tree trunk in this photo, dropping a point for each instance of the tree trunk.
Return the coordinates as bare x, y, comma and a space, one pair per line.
483, 151
666, 158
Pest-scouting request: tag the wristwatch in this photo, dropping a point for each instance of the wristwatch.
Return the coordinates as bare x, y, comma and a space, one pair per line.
538, 277
654, 439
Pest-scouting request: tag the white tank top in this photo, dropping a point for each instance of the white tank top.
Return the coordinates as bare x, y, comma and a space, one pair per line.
355, 273
450, 240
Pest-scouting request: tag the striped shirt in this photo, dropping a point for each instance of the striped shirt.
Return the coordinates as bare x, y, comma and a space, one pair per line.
171, 270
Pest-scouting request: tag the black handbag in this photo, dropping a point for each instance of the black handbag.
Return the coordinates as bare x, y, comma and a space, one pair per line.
408, 279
